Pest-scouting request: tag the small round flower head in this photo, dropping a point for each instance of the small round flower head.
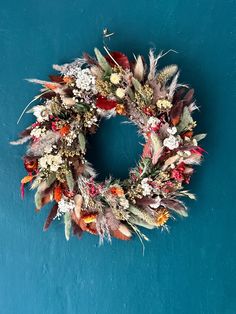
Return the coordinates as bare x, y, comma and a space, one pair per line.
53, 162
37, 132
115, 78
85, 80
124, 203
41, 112
120, 92
65, 206
171, 142
147, 188
153, 123
164, 104
172, 130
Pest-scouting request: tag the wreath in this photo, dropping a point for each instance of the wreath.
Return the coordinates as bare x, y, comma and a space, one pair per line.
71, 105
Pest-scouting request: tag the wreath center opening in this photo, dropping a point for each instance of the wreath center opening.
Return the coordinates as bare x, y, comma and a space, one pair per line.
115, 148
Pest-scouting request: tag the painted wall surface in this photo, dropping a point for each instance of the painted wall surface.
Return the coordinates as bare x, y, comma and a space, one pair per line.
190, 270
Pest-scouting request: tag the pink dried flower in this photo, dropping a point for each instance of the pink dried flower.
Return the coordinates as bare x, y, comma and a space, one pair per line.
177, 175
93, 189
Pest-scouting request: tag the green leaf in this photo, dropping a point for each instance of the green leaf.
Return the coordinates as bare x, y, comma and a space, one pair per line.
137, 85
137, 221
82, 142
130, 93
103, 62
199, 137
81, 107
70, 181
38, 199
142, 214
67, 222
185, 121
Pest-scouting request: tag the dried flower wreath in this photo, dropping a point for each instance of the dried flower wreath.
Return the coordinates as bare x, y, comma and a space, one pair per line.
72, 105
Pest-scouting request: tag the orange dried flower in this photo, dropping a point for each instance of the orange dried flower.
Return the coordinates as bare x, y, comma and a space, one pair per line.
162, 216
120, 109
117, 191
65, 130
57, 193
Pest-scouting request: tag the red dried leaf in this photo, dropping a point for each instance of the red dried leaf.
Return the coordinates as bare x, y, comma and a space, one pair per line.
104, 103
119, 235
56, 78
120, 58
30, 163
179, 94
188, 97
76, 229
176, 112
51, 216
48, 95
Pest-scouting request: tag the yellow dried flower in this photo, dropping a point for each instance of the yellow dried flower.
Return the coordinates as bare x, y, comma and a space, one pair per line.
115, 78
164, 104
162, 217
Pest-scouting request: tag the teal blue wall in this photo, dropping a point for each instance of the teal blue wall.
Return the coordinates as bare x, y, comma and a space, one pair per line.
192, 269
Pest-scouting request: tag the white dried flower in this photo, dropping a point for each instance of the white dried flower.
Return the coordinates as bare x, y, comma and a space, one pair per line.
38, 132
124, 202
85, 80
120, 92
153, 123
53, 162
41, 112
172, 130
171, 142
147, 188
65, 206
157, 203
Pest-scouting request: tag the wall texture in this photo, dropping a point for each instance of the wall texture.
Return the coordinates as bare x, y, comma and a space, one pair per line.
190, 270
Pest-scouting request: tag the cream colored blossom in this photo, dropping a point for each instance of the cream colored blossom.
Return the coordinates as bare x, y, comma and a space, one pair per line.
51, 161
120, 92
115, 78
164, 104
171, 142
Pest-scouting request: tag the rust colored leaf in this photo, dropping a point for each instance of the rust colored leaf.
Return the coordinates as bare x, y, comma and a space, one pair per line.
119, 235
51, 216
176, 112
57, 193
189, 97
56, 78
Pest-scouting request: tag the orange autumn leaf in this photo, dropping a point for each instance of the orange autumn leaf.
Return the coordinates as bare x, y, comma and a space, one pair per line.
26, 179
187, 134
57, 193
51, 86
